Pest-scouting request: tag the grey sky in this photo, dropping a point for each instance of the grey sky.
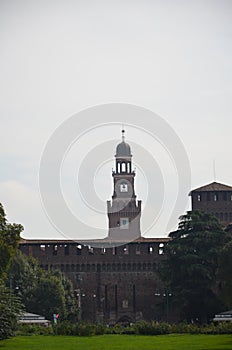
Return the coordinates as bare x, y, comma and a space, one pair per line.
60, 57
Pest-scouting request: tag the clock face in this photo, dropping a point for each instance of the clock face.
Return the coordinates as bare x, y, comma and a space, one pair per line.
123, 188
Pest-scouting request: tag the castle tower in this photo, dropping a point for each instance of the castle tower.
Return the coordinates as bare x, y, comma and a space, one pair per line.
124, 211
214, 198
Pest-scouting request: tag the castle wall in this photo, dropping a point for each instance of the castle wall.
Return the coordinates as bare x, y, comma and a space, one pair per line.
110, 283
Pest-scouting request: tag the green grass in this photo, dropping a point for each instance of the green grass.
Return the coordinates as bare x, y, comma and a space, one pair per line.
116, 342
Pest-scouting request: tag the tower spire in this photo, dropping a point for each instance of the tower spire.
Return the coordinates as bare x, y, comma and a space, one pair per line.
123, 134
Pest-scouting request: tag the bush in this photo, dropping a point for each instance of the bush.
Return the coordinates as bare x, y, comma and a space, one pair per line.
152, 328
29, 329
141, 328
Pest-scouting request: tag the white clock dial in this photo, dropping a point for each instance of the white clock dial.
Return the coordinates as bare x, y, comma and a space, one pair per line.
124, 188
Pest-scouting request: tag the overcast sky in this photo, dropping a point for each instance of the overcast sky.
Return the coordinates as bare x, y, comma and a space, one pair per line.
60, 57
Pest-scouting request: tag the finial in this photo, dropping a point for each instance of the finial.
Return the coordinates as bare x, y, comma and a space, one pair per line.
214, 170
123, 134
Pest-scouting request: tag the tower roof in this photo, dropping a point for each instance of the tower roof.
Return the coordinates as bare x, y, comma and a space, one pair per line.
214, 186
123, 149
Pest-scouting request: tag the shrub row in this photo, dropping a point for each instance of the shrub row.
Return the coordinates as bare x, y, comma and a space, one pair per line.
140, 328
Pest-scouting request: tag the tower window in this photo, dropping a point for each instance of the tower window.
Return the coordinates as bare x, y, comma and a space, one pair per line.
123, 167
126, 249
124, 223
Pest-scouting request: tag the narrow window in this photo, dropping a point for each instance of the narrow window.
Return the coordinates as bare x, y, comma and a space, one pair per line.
215, 197
55, 249
116, 298
114, 251
124, 223
42, 247
78, 249
198, 197
126, 250
90, 250
161, 249
103, 250
123, 167
150, 250
137, 249
66, 249
125, 304
134, 298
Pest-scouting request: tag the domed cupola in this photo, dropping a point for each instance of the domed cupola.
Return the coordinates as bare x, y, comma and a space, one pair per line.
123, 149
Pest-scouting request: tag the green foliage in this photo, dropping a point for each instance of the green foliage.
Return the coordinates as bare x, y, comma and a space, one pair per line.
30, 329
23, 269
225, 276
191, 265
152, 328
79, 329
10, 308
9, 240
47, 297
48, 291
9, 304
140, 328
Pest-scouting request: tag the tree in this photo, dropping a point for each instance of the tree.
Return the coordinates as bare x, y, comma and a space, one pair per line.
47, 297
191, 265
9, 240
225, 276
23, 269
10, 305
47, 293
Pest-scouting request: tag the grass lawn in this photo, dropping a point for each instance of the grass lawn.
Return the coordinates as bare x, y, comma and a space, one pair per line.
116, 342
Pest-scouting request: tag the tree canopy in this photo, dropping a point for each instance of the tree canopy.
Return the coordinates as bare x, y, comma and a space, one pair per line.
9, 240
191, 265
10, 305
47, 293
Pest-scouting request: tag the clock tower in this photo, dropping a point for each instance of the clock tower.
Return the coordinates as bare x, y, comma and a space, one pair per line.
124, 211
